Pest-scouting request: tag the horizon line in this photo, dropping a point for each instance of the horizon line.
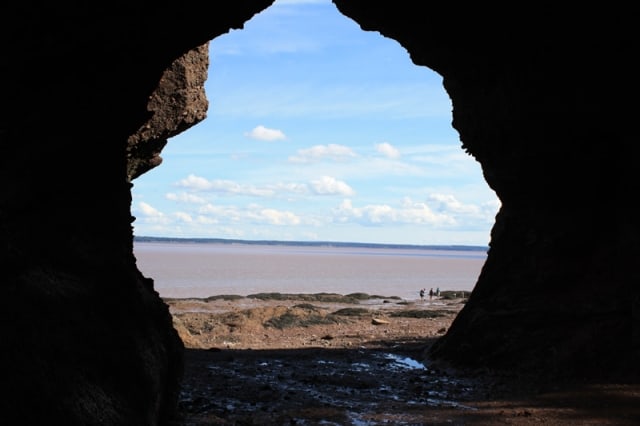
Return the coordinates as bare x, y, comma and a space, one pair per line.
143, 238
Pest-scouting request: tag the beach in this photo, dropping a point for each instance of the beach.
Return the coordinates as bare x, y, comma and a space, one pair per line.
324, 358
293, 321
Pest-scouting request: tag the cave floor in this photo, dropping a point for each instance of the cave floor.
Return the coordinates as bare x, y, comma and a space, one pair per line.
379, 386
352, 371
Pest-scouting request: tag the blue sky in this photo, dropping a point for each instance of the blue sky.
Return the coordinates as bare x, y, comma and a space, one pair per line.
317, 131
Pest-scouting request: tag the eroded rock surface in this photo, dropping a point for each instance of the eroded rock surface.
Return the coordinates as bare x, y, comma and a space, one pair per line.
178, 103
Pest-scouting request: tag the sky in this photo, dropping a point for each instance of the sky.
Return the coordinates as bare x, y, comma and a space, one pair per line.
317, 131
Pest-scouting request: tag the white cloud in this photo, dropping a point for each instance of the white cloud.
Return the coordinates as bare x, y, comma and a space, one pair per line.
328, 185
416, 212
388, 150
493, 205
231, 214
319, 152
489, 209
290, 188
378, 214
196, 183
264, 134
277, 217
183, 197
183, 217
152, 216
148, 210
346, 210
228, 187
449, 203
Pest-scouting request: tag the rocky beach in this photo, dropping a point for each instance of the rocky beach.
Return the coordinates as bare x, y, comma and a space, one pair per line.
359, 359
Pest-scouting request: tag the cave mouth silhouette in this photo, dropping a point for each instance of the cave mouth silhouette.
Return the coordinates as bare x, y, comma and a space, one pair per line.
542, 109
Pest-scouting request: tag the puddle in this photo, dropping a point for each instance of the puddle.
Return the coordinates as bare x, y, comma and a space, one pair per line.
406, 362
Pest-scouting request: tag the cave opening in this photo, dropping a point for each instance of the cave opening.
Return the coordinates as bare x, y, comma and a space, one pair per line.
316, 132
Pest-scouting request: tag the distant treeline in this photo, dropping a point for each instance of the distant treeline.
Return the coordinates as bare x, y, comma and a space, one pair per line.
309, 243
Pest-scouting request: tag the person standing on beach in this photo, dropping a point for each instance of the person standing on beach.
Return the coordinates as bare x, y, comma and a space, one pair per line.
431, 293
422, 294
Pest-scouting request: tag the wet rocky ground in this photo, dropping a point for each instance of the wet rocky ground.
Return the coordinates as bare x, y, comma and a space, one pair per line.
320, 386
241, 371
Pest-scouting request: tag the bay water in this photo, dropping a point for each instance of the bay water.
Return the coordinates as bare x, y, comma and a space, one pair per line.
187, 269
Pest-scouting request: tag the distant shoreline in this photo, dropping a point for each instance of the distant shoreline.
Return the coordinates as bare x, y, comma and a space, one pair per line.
146, 239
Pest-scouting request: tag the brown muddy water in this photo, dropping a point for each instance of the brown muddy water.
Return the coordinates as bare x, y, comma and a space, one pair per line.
205, 269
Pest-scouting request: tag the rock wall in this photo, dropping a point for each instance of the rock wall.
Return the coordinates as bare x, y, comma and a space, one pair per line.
538, 99
91, 93
178, 102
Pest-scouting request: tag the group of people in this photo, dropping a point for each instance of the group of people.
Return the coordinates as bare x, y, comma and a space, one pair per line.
431, 293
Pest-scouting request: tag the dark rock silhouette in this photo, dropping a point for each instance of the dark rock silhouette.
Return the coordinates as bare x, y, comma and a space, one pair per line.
90, 95
537, 100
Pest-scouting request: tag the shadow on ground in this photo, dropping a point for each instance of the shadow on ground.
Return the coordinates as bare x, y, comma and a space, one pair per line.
383, 384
